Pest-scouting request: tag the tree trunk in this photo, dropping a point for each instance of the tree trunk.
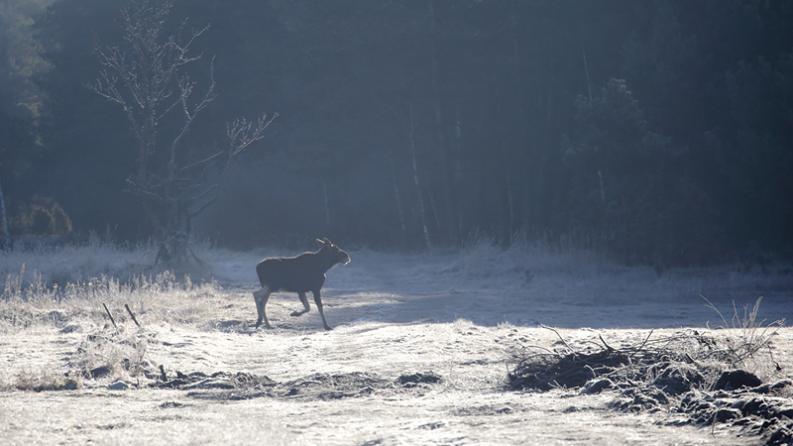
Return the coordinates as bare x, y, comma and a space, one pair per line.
449, 205
586, 73
602, 188
510, 213
326, 204
5, 243
417, 181
433, 207
458, 169
398, 203
519, 199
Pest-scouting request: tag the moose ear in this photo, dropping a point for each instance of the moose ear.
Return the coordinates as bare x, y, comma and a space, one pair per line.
321, 242
327, 241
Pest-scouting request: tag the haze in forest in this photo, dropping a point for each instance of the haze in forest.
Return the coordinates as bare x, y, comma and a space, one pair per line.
656, 132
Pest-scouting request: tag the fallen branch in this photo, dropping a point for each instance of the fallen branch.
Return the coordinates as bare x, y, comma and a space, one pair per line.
641, 347
132, 315
113, 321
608, 347
560, 338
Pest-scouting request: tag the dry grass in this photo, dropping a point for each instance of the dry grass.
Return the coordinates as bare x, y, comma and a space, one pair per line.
750, 343
743, 341
40, 379
161, 298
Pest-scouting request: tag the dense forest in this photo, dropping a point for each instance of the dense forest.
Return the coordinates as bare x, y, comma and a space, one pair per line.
654, 131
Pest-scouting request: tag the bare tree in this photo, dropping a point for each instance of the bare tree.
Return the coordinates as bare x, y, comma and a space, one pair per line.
147, 76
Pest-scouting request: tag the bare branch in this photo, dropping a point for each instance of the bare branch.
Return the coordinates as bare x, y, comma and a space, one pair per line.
145, 191
204, 161
203, 207
190, 112
110, 316
184, 48
562, 339
212, 188
146, 75
242, 132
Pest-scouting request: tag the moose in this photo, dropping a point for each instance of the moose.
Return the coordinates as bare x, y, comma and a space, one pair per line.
300, 275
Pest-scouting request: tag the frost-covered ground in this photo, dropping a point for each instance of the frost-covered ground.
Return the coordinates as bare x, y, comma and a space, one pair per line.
463, 316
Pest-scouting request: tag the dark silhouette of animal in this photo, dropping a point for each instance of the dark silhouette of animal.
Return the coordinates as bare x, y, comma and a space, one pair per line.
300, 275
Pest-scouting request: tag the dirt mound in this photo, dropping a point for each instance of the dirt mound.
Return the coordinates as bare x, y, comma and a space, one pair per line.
218, 380
670, 374
546, 372
677, 378
484, 410
415, 379
767, 416
736, 379
324, 386
115, 359
318, 386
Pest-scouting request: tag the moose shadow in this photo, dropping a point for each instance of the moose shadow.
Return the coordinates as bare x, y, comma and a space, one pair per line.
533, 309
480, 308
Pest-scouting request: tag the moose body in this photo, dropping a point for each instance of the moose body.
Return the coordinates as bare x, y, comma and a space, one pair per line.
300, 275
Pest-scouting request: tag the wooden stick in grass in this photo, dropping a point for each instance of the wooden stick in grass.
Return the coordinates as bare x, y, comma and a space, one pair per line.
132, 315
572, 350
110, 316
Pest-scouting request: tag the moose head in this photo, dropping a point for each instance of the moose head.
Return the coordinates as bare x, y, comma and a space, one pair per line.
332, 252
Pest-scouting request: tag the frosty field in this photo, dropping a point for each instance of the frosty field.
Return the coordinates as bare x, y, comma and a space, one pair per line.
463, 316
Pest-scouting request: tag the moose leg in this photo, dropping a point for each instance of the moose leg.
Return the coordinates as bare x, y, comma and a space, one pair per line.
318, 301
261, 297
304, 300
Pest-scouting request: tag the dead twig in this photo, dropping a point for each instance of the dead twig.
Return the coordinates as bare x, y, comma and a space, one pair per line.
132, 315
560, 338
545, 351
113, 321
608, 347
641, 347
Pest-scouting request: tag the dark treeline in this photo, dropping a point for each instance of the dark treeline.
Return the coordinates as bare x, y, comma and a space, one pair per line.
655, 131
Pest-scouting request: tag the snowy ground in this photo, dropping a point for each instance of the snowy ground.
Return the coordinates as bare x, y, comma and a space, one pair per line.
463, 316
